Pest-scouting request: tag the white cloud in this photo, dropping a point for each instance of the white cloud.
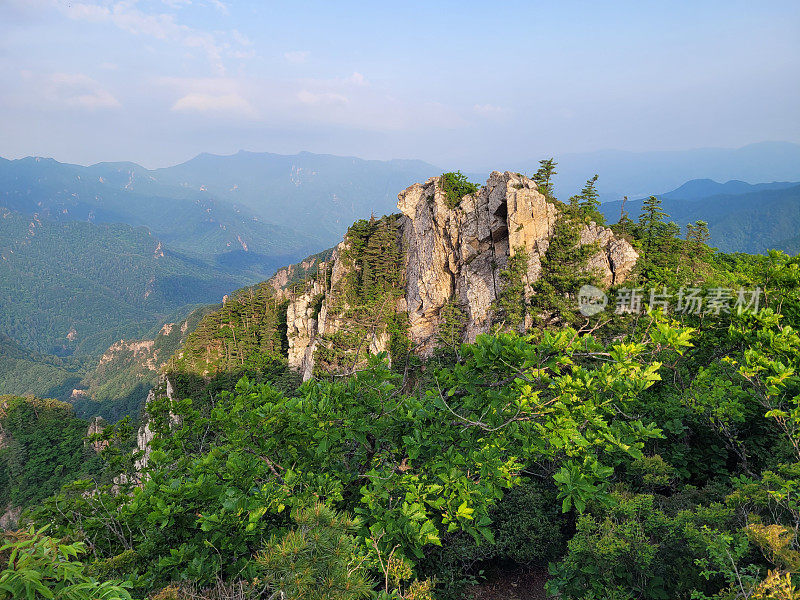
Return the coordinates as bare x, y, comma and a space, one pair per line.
219, 5
488, 109
70, 90
296, 57
231, 104
321, 98
161, 26
356, 79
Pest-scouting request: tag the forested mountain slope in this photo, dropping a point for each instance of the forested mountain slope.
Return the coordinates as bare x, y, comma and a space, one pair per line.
433, 275
23, 372
318, 194
756, 219
75, 287
188, 220
611, 448
79, 271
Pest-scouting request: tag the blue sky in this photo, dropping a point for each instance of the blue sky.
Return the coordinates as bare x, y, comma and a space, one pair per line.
460, 84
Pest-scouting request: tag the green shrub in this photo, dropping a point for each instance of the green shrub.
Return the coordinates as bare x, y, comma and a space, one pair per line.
527, 524
637, 547
38, 566
317, 560
455, 186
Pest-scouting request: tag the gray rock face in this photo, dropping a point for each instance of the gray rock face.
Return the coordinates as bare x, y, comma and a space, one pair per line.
456, 255
145, 434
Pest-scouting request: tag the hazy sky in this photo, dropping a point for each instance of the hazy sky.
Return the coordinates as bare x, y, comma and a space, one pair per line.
461, 84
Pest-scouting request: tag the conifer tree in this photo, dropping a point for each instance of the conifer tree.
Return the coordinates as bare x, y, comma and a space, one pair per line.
511, 304
590, 202
544, 177
651, 222
697, 233
625, 224
564, 272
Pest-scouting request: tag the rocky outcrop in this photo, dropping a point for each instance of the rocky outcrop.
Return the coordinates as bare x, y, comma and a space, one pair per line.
303, 328
453, 254
96, 426
10, 518
145, 434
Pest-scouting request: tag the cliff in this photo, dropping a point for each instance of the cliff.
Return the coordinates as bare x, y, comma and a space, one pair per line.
390, 284
451, 255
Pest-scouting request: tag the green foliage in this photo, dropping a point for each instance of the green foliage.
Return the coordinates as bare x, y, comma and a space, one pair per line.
316, 560
414, 469
245, 336
44, 448
455, 186
511, 306
564, 271
636, 548
587, 203
659, 243
544, 177
365, 299
39, 567
528, 529
452, 322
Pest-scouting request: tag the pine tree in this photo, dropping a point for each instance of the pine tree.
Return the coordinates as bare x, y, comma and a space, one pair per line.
625, 225
564, 272
697, 237
651, 222
590, 202
697, 233
511, 305
544, 177
660, 243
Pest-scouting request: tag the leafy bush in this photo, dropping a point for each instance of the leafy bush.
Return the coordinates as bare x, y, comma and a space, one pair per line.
455, 186
636, 546
40, 567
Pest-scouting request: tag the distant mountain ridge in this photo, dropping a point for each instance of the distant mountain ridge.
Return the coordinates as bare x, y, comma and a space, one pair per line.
638, 174
190, 221
745, 218
697, 189
319, 194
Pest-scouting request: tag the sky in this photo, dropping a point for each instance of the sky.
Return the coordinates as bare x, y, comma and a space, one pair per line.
459, 84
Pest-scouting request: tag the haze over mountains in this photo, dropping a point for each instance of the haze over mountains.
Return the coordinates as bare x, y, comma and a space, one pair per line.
741, 217
92, 255
637, 174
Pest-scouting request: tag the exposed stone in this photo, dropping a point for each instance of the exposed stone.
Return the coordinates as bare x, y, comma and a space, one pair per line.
302, 329
145, 434
96, 426
10, 517
454, 255
459, 253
